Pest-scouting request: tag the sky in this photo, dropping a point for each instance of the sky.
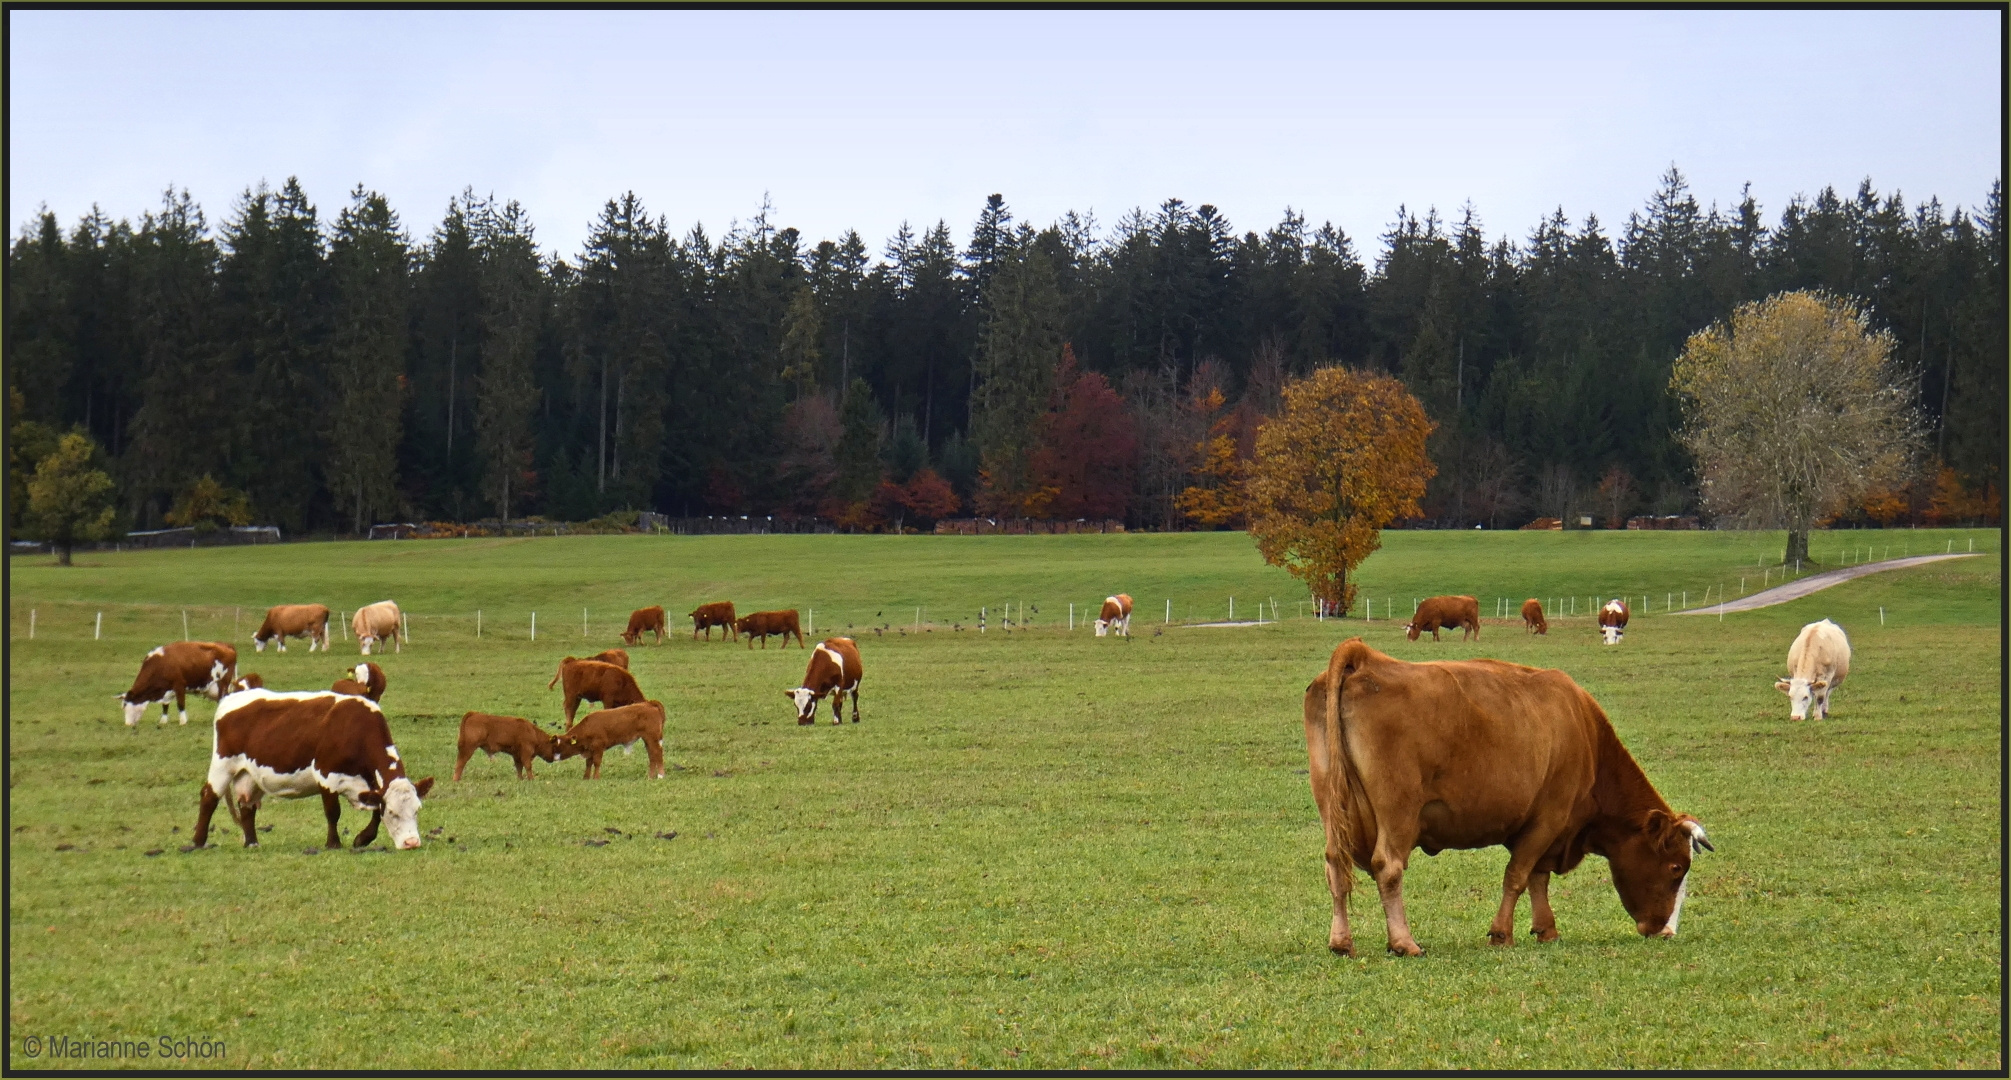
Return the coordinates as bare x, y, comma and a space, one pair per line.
866, 119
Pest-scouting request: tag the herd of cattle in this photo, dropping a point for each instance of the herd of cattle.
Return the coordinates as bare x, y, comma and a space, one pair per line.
1402, 756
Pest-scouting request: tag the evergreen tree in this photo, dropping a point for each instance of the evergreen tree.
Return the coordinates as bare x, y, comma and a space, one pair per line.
368, 264
1021, 344
514, 302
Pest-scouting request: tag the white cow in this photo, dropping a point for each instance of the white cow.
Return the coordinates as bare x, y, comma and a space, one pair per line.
377, 623
1817, 664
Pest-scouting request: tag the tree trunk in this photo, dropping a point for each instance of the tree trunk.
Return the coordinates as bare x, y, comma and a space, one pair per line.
63, 552
1798, 548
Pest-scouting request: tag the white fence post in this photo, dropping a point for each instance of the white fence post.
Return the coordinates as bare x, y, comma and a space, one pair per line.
1169, 612
583, 624
185, 615
31, 624
478, 624
534, 626
98, 628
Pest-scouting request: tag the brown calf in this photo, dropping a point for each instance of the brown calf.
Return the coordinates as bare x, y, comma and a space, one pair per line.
649, 620
593, 680
706, 616
763, 623
524, 741
1532, 617
1443, 611
609, 728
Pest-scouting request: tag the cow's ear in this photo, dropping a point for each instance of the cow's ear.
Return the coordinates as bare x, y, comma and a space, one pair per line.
1783, 685
424, 786
790, 694
372, 799
1819, 684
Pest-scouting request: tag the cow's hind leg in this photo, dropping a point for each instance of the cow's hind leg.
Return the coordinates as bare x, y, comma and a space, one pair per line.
461, 759
244, 796
1340, 937
331, 808
1542, 920
1389, 874
655, 748
855, 703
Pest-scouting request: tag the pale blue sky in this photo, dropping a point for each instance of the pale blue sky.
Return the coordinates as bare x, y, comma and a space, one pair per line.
863, 119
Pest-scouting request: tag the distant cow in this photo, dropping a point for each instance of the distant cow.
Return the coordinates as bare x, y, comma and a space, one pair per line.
593, 680
609, 728
522, 740
1817, 663
300, 744
293, 620
363, 680
617, 657
377, 623
248, 681
1473, 753
649, 620
1116, 615
1445, 611
763, 623
834, 669
1613, 621
1533, 621
706, 616
174, 669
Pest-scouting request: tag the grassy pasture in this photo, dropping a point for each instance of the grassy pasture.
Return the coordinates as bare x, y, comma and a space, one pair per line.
1039, 850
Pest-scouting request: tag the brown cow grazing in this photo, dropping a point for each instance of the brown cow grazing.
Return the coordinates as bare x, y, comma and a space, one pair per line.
1474, 753
593, 680
609, 728
293, 620
617, 657
300, 744
174, 669
524, 741
1116, 615
706, 616
247, 681
363, 680
1532, 617
1613, 621
374, 623
834, 669
649, 620
1444, 611
763, 623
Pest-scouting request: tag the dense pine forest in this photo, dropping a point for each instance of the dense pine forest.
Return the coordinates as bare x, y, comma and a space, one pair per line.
325, 371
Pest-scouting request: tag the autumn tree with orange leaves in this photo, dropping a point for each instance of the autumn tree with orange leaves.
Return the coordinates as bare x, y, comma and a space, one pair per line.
1344, 458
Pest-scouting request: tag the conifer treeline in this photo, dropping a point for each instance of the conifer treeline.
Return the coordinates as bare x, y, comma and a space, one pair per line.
340, 372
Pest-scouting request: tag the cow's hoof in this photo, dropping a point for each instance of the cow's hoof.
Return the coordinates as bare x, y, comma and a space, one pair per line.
250, 844
1408, 948
1546, 933
805, 723
1344, 947
1496, 937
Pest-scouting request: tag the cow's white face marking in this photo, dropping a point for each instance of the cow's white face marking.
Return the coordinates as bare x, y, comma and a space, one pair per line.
135, 710
362, 674
1102, 627
1611, 634
366, 642
401, 814
806, 702
1676, 916
1799, 692
258, 644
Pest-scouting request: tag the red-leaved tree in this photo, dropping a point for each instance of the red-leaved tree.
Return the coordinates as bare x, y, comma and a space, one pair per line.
1089, 450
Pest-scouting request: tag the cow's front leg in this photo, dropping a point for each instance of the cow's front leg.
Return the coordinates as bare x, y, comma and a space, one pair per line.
369, 832
837, 707
331, 808
205, 808
1542, 920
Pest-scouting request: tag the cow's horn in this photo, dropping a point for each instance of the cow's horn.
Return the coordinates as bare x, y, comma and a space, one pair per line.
1698, 841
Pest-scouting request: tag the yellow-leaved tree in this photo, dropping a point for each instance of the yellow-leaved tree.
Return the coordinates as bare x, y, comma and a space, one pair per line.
1345, 457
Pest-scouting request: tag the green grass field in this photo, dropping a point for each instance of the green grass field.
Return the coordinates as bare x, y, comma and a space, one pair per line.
1039, 849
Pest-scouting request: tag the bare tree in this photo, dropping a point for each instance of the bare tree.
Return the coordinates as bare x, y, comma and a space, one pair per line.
1795, 408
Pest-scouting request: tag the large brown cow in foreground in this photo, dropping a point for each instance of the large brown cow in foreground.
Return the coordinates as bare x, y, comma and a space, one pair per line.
706, 616
293, 620
763, 623
593, 680
1445, 611
171, 671
649, 620
319, 743
1474, 753
623, 727
522, 740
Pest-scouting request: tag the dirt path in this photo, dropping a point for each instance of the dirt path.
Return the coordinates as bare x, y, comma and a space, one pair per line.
1795, 590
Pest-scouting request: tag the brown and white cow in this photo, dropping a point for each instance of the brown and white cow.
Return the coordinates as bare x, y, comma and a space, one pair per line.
293, 620
1474, 753
377, 623
1533, 621
593, 680
763, 623
522, 740
706, 616
1817, 663
623, 727
1437, 612
834, 669
1116, 615
250, 680
174, 669
294, 745
649, 620
364, 680
1613, 621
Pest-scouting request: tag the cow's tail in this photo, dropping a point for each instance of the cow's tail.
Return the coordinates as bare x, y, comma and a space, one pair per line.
561, 673
1346, 659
